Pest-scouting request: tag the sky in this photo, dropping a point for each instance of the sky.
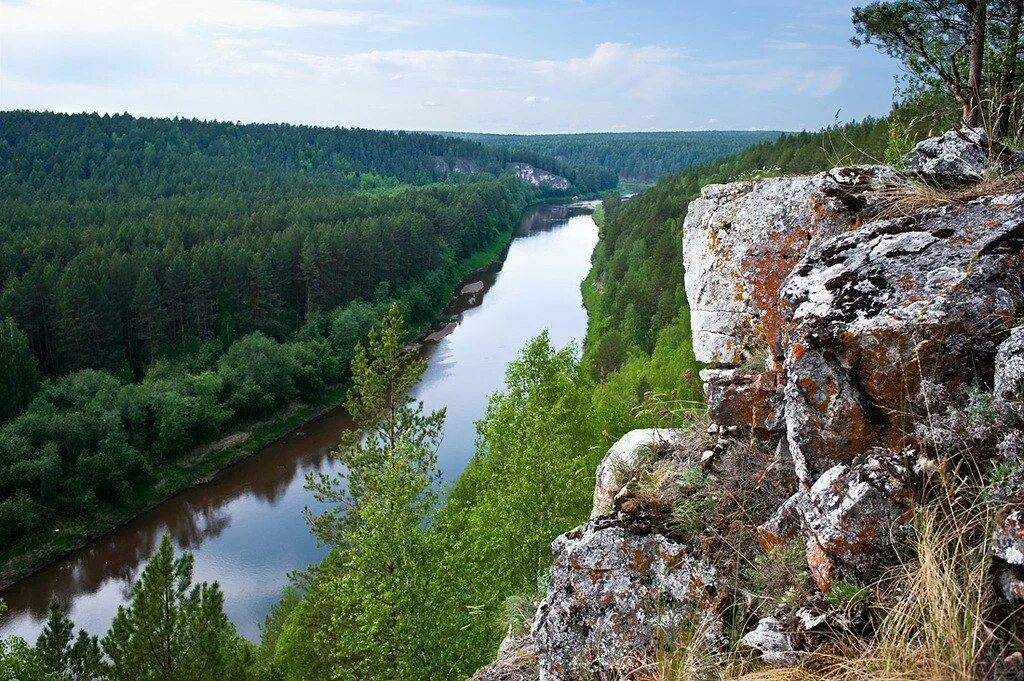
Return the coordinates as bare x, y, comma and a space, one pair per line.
516, 66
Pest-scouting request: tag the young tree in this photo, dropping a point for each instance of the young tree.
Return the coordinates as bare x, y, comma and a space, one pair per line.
368, 593
172, 630
54, 643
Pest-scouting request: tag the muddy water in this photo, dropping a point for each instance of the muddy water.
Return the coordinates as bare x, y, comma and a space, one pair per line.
245, 526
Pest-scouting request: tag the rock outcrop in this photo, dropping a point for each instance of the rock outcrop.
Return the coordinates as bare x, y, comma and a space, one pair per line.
612, 593
860, 352
538, 177
623, 458
960, 157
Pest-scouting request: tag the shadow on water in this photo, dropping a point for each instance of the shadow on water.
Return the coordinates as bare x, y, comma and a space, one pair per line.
245, 525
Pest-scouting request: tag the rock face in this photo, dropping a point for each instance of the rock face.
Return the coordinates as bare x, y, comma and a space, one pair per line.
741, 242
877, 309
852, 517
959, 157
611, 593
1009, 368
771, 640
850, 357
538, 177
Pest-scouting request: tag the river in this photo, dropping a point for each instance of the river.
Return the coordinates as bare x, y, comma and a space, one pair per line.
245, 526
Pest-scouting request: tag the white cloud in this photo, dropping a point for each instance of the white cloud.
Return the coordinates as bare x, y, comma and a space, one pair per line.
274, 60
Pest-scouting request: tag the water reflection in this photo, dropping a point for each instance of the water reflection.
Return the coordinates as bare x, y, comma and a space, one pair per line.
245, 525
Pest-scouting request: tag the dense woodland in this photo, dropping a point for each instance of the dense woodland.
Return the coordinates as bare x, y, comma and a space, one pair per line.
163, 280
634, 156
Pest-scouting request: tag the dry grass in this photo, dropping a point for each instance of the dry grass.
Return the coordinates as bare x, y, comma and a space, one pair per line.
912, 197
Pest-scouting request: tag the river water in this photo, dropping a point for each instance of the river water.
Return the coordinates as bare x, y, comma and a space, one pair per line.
245, 526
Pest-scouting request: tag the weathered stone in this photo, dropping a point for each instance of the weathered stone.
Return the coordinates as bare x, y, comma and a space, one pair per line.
737, 398
624, 456
1008, 548
771, 640
870, 319
538, 177
516, 661
741, 241
852, 516
611, 593
784, 525
1009, 371
959, 157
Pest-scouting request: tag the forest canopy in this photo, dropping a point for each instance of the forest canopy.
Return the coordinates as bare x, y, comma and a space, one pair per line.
636, 156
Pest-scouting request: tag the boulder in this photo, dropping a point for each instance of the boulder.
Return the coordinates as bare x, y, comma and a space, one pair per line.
1009, 369
853, 516
612, 593
771, 640
740, 242
875, 310
959, 157
625, 456
1008, 548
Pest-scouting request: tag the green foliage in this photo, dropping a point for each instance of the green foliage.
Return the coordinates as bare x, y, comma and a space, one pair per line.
176, 279
172, 629
414, 591
54, 643
632, 156
19, 374
370, 588
844, 593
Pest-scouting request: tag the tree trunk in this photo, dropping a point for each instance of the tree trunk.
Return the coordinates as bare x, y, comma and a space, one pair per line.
972, 110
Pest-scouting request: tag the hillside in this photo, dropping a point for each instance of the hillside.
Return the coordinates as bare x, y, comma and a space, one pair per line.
632, 156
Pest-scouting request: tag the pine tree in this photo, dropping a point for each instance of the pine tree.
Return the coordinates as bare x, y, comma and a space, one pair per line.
172, 630
54, 643
150, 317
370, 589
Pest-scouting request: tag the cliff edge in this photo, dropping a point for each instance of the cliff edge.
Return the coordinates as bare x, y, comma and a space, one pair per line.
862, 449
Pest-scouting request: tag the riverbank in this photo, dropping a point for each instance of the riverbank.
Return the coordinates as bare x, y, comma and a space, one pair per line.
34, 552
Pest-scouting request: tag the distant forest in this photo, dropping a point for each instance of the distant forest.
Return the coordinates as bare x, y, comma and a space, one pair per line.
635, 156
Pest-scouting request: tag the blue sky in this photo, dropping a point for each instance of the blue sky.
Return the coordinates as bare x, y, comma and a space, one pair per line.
489, 66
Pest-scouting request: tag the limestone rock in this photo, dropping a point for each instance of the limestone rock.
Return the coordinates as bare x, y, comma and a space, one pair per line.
740, 242
538, 177
625, 455
1009, 370
610, 594
750, 401
876, 309
852, 515
772, 641
959, 157
1008, 548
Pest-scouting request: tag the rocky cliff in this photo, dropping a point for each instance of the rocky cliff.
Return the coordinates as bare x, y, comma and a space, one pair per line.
864, 370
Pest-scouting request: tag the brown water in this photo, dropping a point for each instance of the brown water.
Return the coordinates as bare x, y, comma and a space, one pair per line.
245, 526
